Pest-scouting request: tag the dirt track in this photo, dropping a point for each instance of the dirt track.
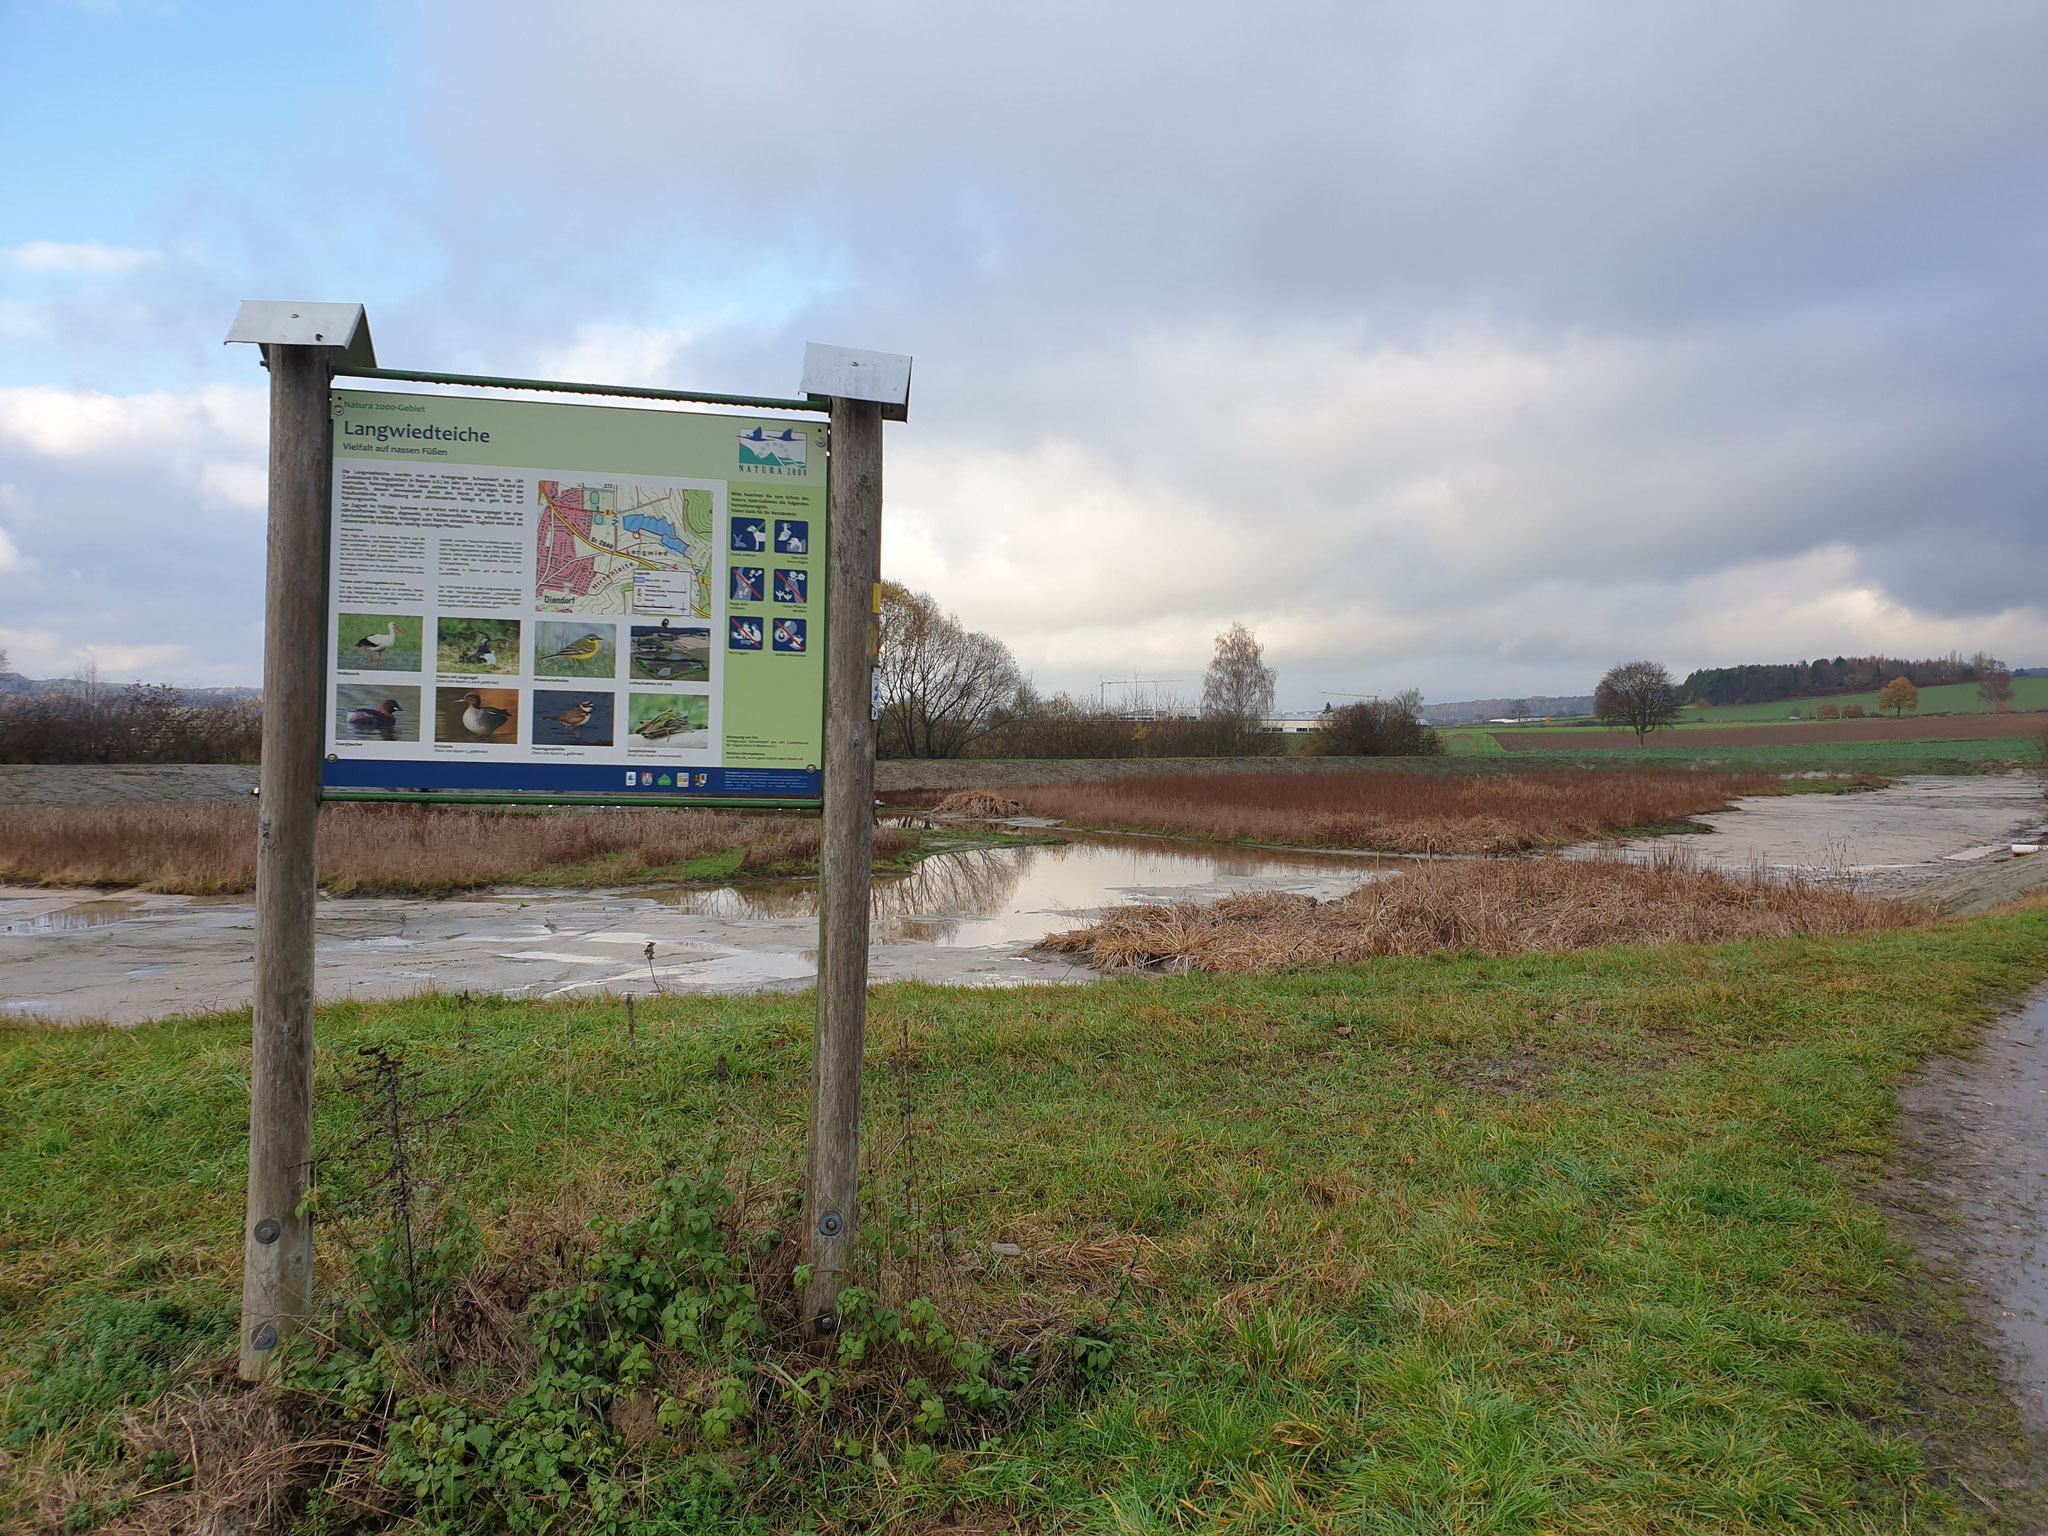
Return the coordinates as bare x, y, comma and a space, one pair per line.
1937, 728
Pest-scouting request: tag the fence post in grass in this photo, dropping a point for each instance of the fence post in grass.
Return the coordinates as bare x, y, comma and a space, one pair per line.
300, 342
864, 388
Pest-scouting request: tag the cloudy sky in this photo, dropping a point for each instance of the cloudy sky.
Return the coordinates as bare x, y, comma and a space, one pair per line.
1471, 347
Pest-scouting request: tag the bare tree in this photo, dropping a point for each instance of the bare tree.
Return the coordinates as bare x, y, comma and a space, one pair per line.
942, 685
1238, 684
1639, 695
1994, 682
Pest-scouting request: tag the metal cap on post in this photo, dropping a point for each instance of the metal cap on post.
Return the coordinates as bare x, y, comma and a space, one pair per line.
845, 373
864, 388
301, 344
342, 328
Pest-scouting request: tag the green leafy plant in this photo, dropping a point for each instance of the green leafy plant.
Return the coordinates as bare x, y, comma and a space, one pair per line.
655, 1361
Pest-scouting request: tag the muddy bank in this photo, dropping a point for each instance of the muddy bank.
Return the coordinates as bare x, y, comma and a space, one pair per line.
1967, 1193
124, 783
969, 918
1894, 841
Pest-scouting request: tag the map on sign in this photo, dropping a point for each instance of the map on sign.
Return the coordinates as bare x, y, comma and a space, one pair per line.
624, 547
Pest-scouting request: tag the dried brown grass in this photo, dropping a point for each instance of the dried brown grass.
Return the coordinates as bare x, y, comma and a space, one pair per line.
978, 804
1481, 906
1405, 812
207, 849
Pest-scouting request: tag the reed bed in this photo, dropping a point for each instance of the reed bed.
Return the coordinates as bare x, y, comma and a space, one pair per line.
211, 849
1486, 907
1397, 812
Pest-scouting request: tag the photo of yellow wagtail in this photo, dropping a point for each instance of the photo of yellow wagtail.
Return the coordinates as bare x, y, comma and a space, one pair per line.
577, 648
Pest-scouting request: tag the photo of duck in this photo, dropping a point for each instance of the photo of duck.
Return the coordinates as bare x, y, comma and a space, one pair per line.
379, 720
480, 719
471, 715
376, 712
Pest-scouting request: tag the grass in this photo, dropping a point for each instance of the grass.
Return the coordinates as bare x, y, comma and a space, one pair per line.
1408, 812
1493, 907
1552, 1243
2028, 693
1671, 750
209, 849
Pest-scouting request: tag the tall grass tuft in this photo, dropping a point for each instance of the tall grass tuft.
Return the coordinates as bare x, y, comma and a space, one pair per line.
1404, 812
208, 849
1486, 907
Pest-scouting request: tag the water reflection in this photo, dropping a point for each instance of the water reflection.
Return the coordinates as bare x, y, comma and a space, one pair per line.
995, 895
80, 914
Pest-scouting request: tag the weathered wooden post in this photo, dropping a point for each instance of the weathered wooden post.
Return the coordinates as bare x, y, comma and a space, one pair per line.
864, 388
300, 345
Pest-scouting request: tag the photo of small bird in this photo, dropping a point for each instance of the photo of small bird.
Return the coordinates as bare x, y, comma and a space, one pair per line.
481, 719
574, 718
482, 651
581, 650
374, 646
381, 721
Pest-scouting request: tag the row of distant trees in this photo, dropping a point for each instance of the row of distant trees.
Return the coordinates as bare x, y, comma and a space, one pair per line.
948, 691
1641, 696
1766, 684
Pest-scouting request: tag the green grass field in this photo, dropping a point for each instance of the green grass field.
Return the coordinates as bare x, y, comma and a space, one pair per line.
2028, 693
1669, 749
1563, 1243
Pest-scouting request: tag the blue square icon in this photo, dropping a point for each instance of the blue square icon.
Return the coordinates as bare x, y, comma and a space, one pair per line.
743, 634
792, 536
791, 634
750, 534
792, 586
747, 584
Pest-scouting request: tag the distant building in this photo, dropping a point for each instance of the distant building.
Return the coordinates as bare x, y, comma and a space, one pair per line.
1298, 722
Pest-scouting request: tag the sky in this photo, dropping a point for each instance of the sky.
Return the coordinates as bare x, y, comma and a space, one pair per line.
1468, 347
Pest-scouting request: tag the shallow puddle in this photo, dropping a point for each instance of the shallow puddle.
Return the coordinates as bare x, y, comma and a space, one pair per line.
80, 914
981, 896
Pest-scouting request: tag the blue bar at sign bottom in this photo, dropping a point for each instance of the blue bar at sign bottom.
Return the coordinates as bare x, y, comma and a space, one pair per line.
409, 775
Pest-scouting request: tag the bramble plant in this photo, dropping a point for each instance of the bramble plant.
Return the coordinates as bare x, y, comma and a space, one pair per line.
658, 1376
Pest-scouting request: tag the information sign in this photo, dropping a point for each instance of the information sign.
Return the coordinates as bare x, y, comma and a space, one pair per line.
574, 600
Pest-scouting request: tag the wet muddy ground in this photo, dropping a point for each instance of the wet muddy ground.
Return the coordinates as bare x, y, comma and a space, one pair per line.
1972, 1191
971, 917
1892, 841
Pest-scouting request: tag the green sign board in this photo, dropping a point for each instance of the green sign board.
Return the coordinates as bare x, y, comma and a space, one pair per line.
574, 600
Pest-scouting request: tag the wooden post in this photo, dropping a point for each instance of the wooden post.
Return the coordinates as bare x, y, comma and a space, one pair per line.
277, 1254
832, 1177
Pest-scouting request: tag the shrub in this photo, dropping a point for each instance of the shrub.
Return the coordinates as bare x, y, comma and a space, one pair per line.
141, 724
1378, 728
